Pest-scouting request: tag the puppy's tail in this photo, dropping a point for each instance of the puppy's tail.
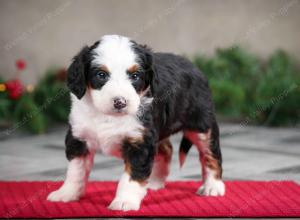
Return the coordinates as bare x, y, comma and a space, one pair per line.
184, 148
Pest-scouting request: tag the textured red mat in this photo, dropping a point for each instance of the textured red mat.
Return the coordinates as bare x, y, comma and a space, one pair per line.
242, 199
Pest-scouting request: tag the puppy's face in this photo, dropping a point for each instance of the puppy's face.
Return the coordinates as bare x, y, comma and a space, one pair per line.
115, 72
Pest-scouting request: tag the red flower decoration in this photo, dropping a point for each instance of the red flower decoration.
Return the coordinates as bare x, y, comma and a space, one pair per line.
14, 88
21, 64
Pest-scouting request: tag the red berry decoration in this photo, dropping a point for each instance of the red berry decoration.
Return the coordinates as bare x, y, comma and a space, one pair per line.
14, 88
20, 64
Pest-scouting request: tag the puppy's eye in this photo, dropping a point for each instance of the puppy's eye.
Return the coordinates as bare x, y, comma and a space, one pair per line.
135, 76
102, 75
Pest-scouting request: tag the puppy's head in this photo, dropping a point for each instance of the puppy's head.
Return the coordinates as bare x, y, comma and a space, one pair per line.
115, 72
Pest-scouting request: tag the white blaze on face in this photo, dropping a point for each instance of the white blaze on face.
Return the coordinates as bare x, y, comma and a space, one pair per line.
116, 53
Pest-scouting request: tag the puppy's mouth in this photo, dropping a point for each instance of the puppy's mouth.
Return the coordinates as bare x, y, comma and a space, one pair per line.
118, 112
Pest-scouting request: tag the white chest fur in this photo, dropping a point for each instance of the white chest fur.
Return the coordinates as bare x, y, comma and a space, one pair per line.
102, 132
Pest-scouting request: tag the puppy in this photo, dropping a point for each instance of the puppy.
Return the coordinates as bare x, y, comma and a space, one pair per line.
126, 102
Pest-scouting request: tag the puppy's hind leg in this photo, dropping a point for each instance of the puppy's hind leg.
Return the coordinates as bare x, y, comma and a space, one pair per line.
211, 161
80, 164
161, 166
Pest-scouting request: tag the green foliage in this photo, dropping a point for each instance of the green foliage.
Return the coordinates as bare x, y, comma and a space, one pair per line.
28, 115
244, 87
36, 111
224, 89
5, 105
53, 96
278, 93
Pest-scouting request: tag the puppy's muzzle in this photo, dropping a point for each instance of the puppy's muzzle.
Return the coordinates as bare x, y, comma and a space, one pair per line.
119, 103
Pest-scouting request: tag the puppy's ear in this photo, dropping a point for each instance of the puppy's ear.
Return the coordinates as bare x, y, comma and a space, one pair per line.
77, 72
151, 74
146, 56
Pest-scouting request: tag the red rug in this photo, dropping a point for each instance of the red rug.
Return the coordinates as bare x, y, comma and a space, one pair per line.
178, 199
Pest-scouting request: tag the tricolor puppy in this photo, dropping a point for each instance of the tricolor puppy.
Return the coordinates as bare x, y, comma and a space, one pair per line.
126, 102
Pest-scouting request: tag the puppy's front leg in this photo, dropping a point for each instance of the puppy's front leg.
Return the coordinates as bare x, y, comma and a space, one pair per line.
138, 156
80, 164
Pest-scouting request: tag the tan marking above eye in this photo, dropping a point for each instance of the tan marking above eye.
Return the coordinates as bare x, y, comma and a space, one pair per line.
133, 68
104, 68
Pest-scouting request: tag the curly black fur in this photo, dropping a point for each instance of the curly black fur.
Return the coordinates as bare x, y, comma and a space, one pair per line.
182, 101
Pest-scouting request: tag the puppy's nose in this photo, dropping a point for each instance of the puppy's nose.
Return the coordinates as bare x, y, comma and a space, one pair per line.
119, 102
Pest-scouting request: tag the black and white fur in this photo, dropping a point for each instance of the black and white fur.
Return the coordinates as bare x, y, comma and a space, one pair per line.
158, 94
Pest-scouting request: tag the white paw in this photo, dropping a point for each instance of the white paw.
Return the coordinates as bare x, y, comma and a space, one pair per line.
212, 187
64, 195
124, 205
155, 184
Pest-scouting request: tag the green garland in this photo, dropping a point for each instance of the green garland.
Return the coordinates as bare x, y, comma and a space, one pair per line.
35, 111
252, 91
